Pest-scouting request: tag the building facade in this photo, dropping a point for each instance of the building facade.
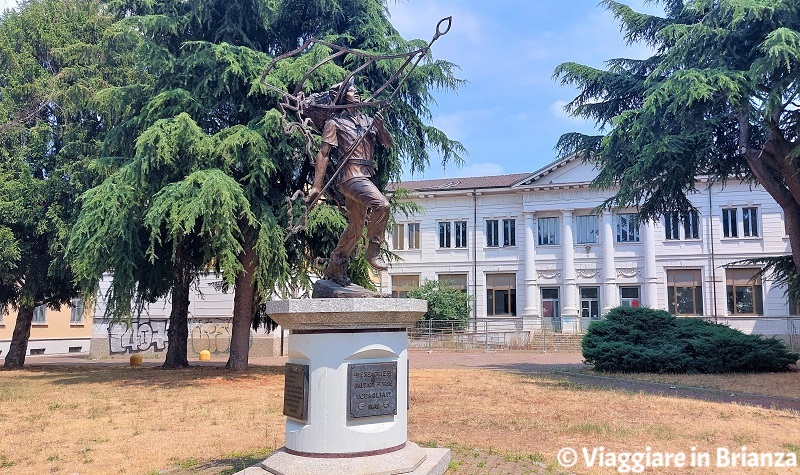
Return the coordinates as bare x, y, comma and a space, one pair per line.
210, 324
529, 247
66, 330
80, 328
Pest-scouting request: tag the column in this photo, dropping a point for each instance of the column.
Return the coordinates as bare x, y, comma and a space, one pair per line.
650, 278
610, 297
568, 247
531, 291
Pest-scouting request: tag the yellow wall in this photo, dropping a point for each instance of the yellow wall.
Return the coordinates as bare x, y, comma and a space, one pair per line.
56, 335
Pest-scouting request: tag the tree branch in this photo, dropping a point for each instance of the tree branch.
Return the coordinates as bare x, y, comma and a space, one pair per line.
767, 179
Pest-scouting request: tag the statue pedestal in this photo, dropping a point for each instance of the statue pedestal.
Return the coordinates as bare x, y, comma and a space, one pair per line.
346, 394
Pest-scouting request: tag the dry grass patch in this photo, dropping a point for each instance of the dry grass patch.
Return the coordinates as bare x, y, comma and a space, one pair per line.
529, 415
786, 384
121, 420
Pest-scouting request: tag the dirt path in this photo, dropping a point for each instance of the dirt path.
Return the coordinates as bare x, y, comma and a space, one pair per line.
563, 366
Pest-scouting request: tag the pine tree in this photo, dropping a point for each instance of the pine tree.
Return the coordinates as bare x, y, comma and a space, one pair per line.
207, 116
54, 56
719, 97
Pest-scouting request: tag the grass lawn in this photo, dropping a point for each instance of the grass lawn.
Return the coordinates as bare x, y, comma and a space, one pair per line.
121, 420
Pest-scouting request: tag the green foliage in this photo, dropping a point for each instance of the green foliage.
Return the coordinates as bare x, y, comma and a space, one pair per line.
631, 339
207, 203
54, 57
197, 164
446, 305
720, 89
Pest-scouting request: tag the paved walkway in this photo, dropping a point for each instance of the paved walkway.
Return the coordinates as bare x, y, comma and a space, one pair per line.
564, 366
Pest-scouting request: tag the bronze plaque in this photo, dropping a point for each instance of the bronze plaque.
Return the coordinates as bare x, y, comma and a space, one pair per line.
372, 389
295, 391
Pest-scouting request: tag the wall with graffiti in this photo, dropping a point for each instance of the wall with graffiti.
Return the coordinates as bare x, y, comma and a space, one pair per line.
210, 316
141, 335
212, 334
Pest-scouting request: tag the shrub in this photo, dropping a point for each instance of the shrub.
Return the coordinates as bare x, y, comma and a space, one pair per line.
447, 307
633, 339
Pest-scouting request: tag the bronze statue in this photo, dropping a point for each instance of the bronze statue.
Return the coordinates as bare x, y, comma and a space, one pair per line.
337, 115
355, 136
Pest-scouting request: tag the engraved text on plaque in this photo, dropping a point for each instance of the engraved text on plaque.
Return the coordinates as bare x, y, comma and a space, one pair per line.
372, 389
295, 391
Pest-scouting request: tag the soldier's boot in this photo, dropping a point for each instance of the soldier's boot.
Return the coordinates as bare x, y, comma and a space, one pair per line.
337, 271
373, 255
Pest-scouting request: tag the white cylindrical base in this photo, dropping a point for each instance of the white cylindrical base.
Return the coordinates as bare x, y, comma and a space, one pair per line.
330, 429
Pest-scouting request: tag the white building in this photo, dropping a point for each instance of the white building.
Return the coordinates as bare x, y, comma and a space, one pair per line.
528, 247
210, 321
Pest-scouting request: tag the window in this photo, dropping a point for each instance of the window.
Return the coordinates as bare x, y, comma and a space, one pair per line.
455, 281
744, 292
401, 284
691, 226
586, 229
750, 221
397, 236
509, 232
627, 228
671, 222
444, 234
461, 233
685, 292
413, 236
548, 231
76, 315
39, 314
590, 302
629, 296
501, 294
729, 225
492, 238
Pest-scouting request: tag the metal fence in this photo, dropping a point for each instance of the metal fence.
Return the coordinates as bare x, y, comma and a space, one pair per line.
783, 328
496, 333
546, 334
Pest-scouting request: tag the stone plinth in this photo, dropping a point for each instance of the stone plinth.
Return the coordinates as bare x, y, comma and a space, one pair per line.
347, 401
344, 314
412, 460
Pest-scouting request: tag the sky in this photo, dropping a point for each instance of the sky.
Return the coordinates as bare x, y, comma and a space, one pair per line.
509, 113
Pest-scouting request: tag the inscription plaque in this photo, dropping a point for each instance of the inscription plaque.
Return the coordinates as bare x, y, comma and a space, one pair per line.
295, 391
372, 389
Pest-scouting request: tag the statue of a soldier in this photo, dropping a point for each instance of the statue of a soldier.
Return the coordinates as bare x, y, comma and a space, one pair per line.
355, 136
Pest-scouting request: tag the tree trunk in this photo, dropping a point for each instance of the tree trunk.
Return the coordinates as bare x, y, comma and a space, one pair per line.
178, 332
791, 216
19, 341
243, 310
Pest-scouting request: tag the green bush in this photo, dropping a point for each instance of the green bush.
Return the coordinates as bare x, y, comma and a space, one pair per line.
447, 307
633, 339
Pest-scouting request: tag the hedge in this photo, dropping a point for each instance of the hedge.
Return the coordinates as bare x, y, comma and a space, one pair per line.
638, 339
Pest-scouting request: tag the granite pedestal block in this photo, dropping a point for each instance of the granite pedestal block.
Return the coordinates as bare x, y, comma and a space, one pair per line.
346, 397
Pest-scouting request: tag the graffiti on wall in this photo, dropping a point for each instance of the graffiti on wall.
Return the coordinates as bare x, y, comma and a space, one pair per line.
141, 335
212, 334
